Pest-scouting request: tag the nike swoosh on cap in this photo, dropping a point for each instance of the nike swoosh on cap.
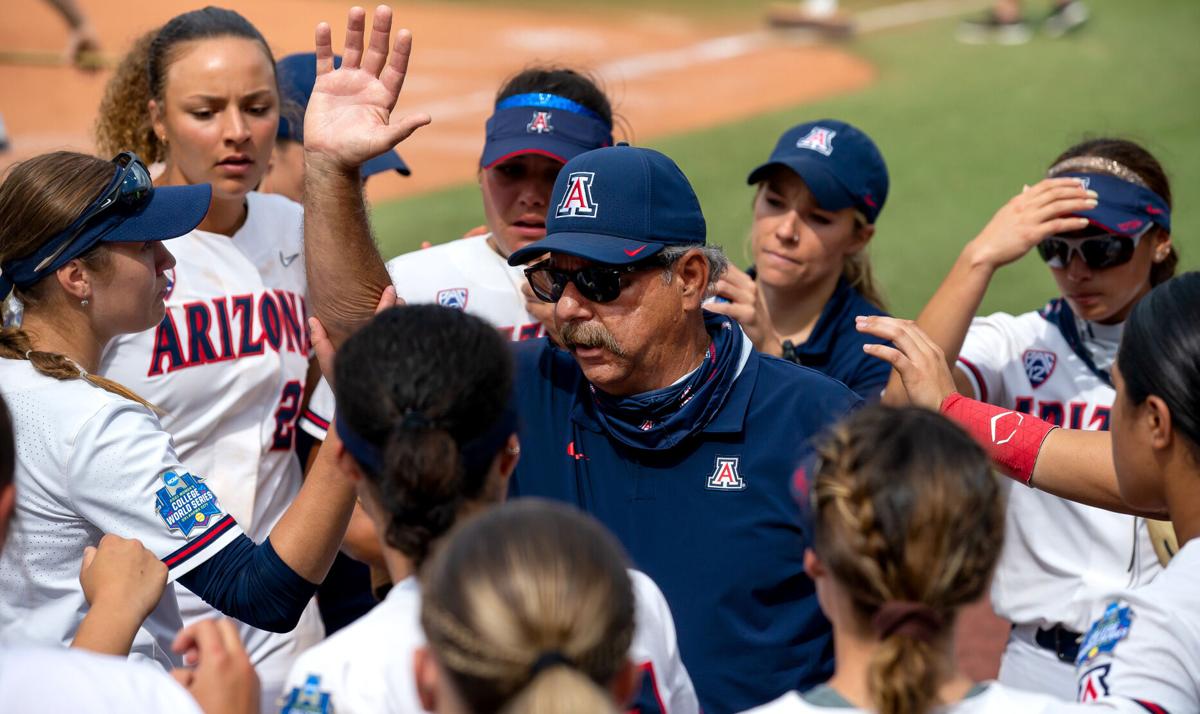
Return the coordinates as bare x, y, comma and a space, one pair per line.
634, 252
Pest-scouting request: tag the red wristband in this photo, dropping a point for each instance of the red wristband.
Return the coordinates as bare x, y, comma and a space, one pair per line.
1012, 439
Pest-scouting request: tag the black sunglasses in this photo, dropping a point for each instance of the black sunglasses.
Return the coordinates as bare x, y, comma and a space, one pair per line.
1097, 252
597, 283
129, 189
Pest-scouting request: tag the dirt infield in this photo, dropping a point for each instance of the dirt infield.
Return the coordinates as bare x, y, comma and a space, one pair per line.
666, 74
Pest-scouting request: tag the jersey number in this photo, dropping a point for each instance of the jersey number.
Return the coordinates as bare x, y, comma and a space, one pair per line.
286, 416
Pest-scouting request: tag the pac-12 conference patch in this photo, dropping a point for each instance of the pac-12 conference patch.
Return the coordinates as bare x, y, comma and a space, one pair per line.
1039, 365
186, 503
453, 297
1105, 633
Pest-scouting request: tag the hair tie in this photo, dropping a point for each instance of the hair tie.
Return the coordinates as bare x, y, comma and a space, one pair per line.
914, 620
414, 420
548, 659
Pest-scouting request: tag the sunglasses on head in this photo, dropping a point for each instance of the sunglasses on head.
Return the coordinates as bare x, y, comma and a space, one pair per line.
1096, 251
128, 189
596, 283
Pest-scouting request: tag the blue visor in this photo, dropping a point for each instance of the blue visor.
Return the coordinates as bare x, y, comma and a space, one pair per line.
387, 161
1124, 208
169, 212
542, 124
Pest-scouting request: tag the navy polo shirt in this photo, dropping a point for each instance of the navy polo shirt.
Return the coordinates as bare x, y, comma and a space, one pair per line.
835, 347
712, 521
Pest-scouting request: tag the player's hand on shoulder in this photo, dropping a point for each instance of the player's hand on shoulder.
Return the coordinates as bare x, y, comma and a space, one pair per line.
914, 355
1038, 212
122, 573
740, 298
217, 671
348, 119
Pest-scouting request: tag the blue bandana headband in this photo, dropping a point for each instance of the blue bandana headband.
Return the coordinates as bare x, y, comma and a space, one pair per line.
543, 100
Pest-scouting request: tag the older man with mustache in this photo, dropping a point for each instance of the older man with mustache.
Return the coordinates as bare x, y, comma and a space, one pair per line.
656, 416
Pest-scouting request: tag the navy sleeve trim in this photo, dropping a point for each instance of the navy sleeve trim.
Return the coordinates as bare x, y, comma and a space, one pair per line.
983, 392
181, 556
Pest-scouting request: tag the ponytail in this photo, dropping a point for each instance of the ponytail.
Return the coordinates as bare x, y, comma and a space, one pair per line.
561, 689
15, 344
909, 520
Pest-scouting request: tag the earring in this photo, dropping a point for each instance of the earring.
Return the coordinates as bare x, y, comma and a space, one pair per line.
83, 303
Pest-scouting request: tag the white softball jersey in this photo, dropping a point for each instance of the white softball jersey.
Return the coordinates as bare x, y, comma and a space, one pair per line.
228, 365
368, 666
1142, 653
91, 462
985, 698
58, 680
1059, 557
465, 274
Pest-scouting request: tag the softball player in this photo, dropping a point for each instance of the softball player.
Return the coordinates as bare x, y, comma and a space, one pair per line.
229, 362
543, 117
902, 539
91, 455
1141, 652
429, 458
1101, 222
529, 608
816, 202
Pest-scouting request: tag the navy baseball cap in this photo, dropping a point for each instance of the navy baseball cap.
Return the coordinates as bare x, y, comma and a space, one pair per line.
159, 214
543, 124
296, 74
1124, 208
618, 205
838, 162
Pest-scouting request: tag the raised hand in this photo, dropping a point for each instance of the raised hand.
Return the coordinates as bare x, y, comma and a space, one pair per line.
219, 675
919, 361
747, 306
1030, 217
348, 119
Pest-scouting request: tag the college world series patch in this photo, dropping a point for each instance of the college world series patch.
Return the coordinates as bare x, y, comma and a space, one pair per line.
309, 699
186, 503
1105, 633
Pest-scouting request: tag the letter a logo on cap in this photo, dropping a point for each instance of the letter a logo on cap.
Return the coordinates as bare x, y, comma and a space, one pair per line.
818, 139
540, 123
577, 201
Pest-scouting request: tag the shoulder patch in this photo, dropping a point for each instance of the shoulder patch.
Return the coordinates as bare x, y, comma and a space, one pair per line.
1039, 365
185, 503
453, 297
1105, 633
308, 699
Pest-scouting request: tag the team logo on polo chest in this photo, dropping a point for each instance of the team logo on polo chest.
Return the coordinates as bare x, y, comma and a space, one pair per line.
539, 124
577, 200
185, 503
818, 139
725, 475
309, 699
453, 297
1039, 365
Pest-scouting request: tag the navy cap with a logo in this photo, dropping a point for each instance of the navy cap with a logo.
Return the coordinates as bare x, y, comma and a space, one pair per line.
838, 162
296, 75
618, 205
1124, 208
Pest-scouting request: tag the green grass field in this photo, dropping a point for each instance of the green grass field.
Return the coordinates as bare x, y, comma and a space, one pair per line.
962, 128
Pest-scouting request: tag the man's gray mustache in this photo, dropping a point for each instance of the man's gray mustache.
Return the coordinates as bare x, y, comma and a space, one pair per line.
590, 334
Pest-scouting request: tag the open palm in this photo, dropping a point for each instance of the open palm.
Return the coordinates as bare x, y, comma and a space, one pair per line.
348, 119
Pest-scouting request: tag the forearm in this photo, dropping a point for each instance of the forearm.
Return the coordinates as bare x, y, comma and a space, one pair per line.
343, 266
309, 534
69, 10
1077, 465
107, 630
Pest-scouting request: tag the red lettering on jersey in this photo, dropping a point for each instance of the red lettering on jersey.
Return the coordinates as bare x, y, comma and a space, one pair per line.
530, 332
200, 347
293, 317
166, 344
244, 304
223, 329
272, 324
1076, 414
